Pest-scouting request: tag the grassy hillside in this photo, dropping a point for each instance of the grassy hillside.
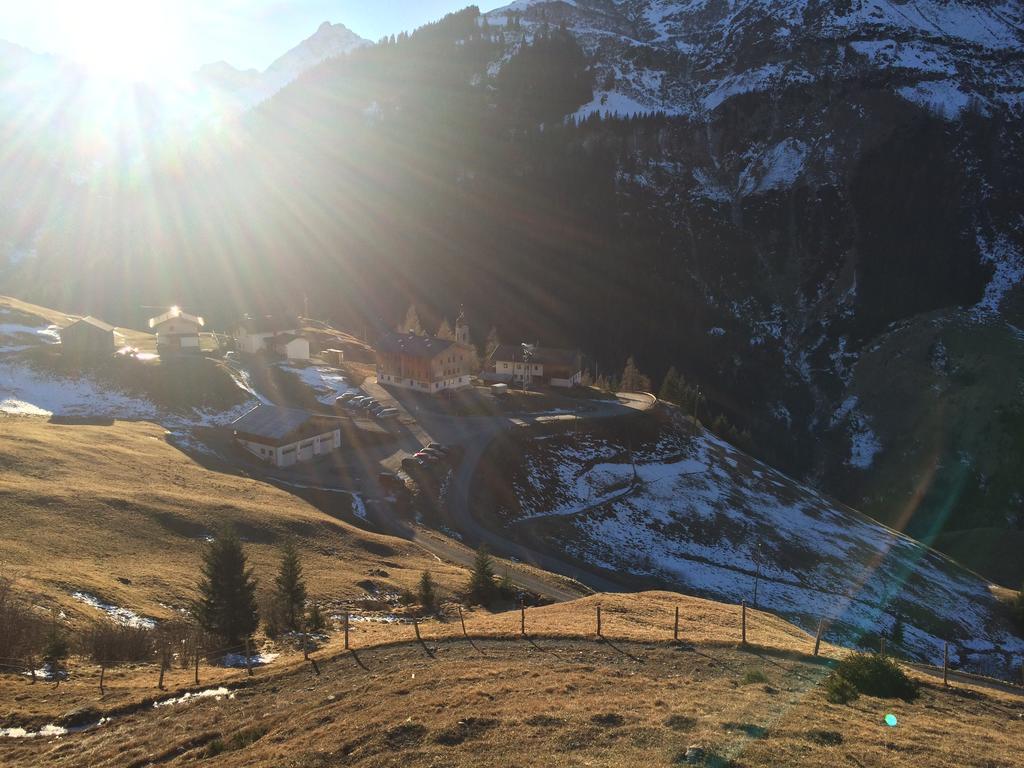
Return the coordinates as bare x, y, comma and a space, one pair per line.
557, 697
117, 512
695, 514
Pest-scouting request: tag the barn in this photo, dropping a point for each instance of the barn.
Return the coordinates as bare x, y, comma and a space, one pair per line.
286, 436
88, 337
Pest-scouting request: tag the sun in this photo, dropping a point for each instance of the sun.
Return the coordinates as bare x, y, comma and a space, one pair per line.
127, 39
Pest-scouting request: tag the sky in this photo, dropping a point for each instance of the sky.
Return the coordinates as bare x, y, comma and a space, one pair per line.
157, 38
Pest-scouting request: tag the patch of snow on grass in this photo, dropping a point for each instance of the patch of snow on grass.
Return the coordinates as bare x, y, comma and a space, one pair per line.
209, 693
1008, 271
26, 392
239, 659
328, 383
122, 616
943, 97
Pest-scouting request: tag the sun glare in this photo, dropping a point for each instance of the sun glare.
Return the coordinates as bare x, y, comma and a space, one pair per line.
127, 39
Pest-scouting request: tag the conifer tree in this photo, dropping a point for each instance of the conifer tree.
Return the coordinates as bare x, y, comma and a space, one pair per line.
290, 587
481, 579
445, 331
227, 592
427, 592
670, 386
492, 342
315, 620
632, 379
412, 322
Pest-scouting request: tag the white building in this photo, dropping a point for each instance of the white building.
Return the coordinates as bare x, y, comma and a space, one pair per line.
278, 334
176, 331
536, 365
286, 436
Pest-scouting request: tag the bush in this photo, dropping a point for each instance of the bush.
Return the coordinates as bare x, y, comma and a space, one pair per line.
108, 643
427, 592
872, 675
753, 676
839, 690
21, 630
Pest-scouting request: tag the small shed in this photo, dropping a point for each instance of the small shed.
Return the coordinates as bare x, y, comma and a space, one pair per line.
286, 436
290, 346
88, 337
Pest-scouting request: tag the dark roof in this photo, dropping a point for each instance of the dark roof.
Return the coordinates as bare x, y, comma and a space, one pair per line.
413, 345
542, 355
94, 322
269, 323
272, 421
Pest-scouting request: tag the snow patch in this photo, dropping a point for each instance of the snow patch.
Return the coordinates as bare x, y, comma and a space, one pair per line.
122, 616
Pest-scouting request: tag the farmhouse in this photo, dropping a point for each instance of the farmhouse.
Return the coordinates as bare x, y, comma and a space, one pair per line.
176, 331
279, 334
543, 365
88, 337
286, 436
424, 363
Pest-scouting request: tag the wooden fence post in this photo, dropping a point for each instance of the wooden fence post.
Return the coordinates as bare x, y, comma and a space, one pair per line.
743, 621
945, 664
522, 618
599, 620
32, 669
817, 637
463, 622
103, 669
346, 630
305, 642
196, 652
675, 630
416, 626
248, 656
160, 682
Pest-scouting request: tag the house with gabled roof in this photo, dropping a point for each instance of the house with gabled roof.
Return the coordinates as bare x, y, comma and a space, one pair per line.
280, 334
534, 364
284, 437
89, 337
176, 331
424, 363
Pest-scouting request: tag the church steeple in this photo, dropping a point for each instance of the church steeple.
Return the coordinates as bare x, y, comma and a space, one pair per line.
462, 328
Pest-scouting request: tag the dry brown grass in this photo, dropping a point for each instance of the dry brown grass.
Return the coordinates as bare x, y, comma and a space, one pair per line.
118, 512
552, 701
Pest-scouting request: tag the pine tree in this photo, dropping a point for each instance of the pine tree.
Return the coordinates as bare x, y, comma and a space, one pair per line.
315, 619
632, 379
492, 342
290, 587
481, 579
227, 592
670, 386
445, 331
412, 322
427, 592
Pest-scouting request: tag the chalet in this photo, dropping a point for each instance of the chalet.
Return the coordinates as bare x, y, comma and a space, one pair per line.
280, 334
88, 337
286, 436
541, 365
176, 331
424, 363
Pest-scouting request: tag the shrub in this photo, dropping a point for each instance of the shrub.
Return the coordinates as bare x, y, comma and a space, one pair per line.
872, 675
55, 646
839, 690
108, 643
753, 676
315, 621
481, 589
21, 630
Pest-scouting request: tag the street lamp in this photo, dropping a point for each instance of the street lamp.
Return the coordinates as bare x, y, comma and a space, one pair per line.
528, 350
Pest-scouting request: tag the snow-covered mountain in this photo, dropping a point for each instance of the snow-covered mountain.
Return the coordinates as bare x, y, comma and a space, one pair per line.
250, 87
688, 57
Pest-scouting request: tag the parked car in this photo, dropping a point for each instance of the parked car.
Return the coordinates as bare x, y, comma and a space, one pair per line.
389, 413
368, 404
433, 453
347, 396
355, 401
377, 409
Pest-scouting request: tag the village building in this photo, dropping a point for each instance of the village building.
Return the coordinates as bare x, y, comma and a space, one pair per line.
283, 437
510, 363
427, 363
88, 337
278, 334
176, 331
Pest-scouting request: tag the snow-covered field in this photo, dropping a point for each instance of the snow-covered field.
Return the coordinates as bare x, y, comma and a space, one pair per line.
327, 383
118, 615
711, 521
